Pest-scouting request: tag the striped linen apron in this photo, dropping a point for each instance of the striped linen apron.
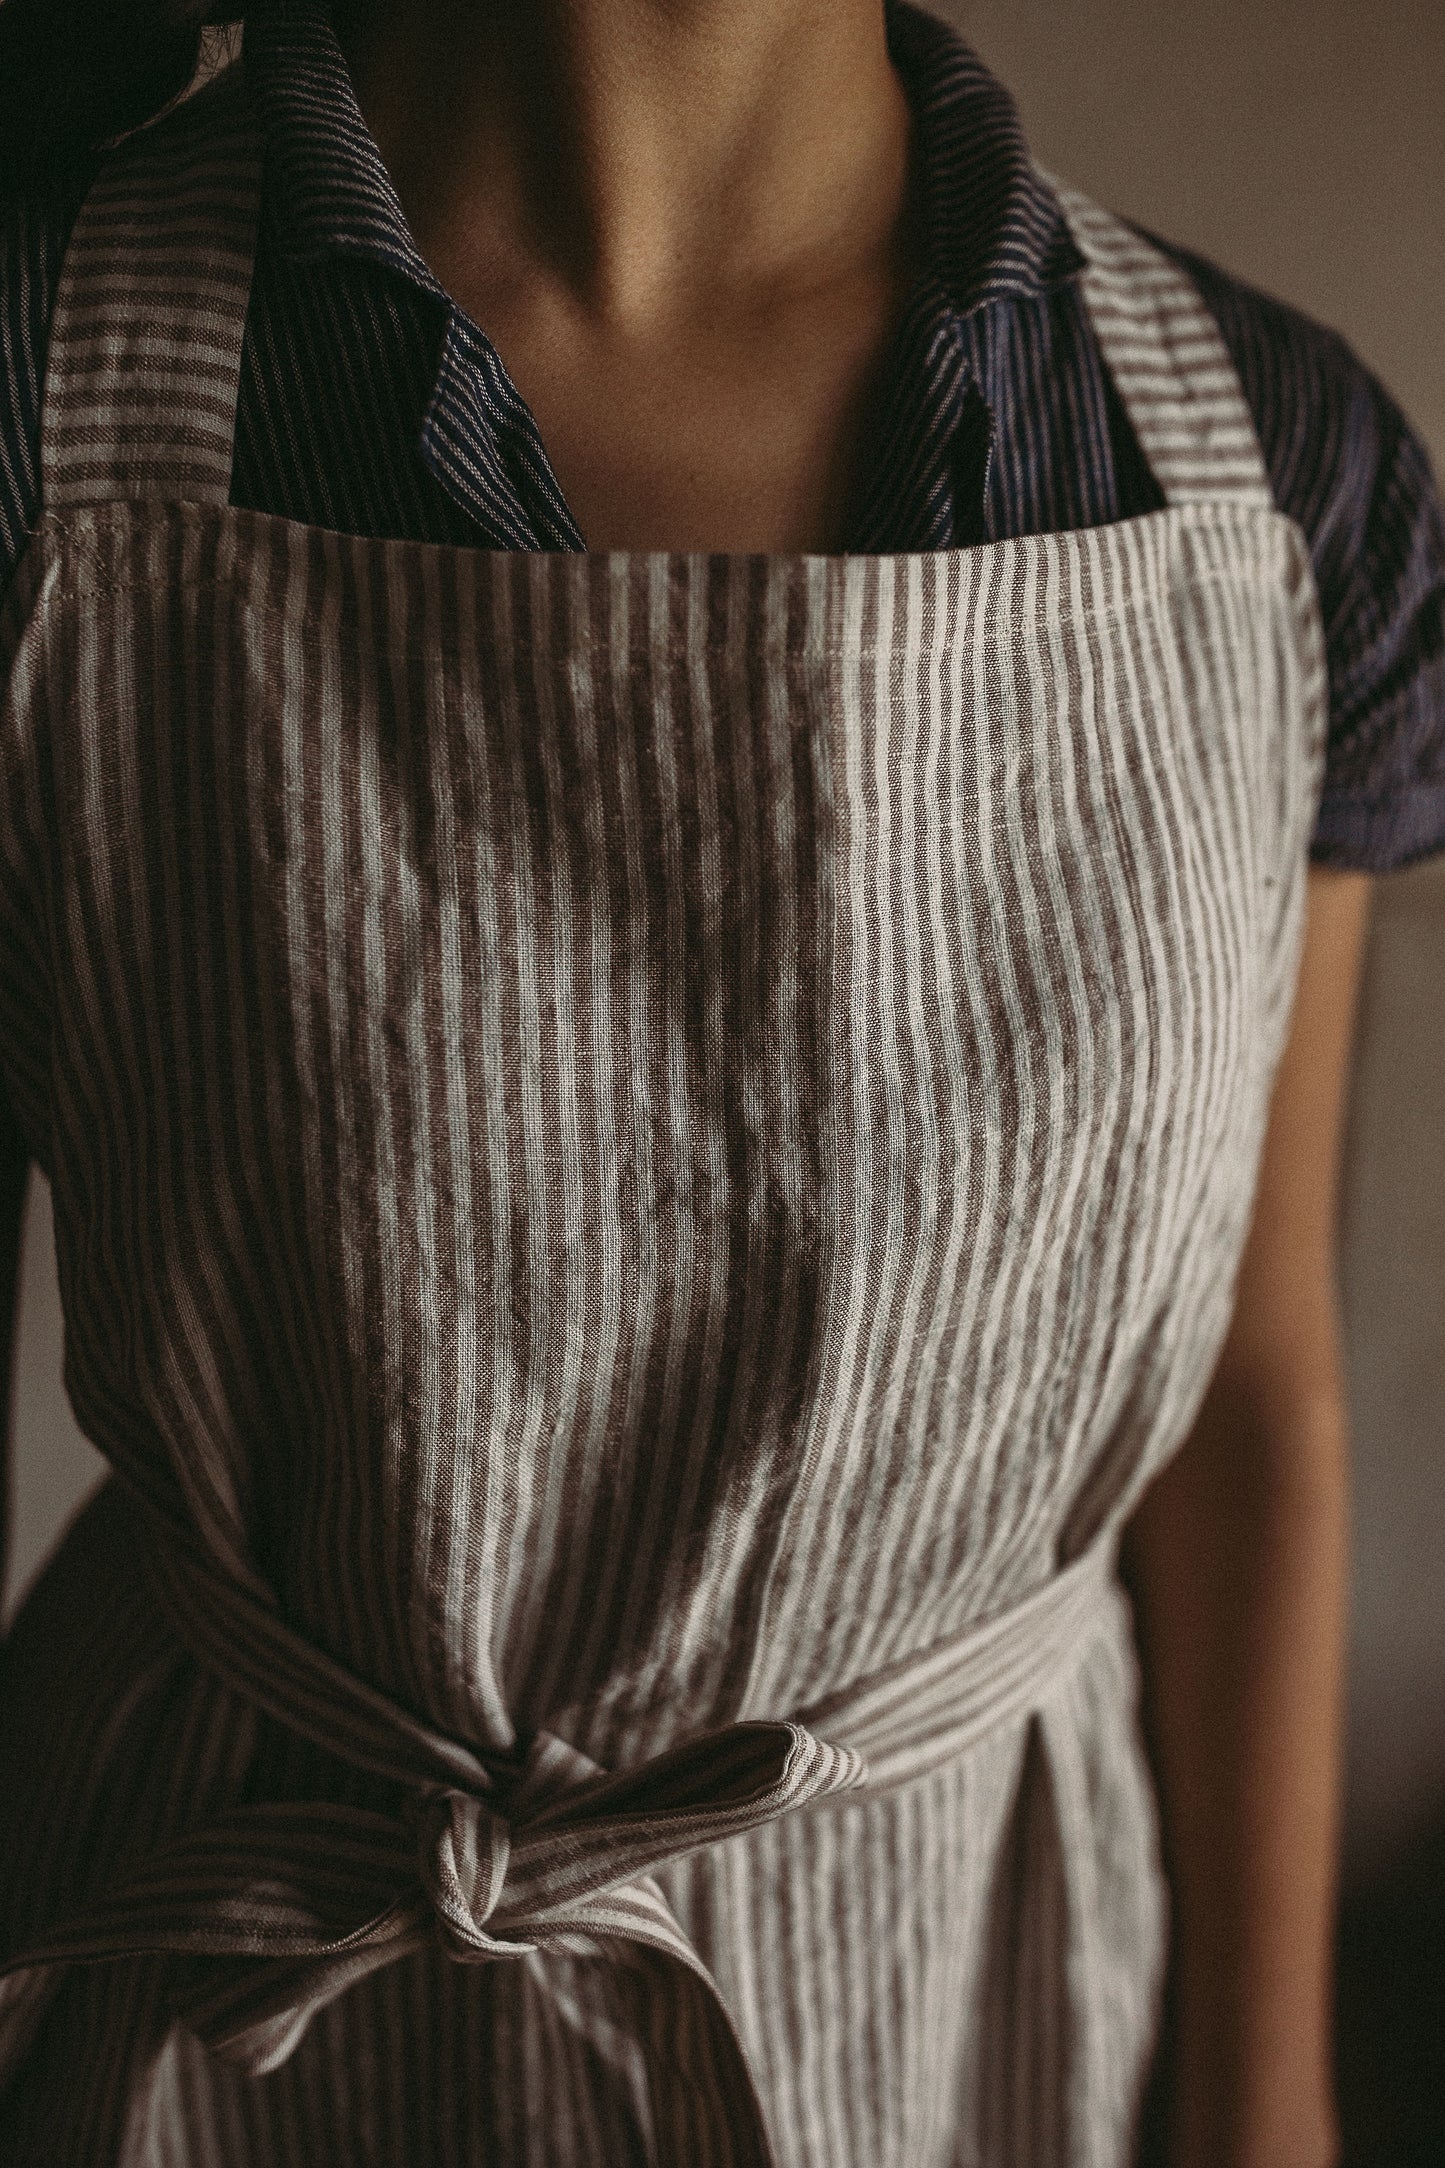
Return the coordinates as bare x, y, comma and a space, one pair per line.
649, 1152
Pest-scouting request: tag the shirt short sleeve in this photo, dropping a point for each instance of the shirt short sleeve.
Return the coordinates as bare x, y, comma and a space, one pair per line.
1348, 468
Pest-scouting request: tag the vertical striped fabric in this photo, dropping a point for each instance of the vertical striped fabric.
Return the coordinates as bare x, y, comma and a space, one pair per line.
648, 1154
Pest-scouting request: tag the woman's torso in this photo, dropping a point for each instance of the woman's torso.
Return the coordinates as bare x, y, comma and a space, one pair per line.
637, 1139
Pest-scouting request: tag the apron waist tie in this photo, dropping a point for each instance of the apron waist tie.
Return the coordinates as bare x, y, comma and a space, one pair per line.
270, 1911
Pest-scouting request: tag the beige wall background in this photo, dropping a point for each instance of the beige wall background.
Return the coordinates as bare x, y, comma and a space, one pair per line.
1303, 146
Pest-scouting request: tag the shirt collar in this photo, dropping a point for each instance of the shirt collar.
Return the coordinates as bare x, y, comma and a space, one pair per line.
327, 186
994, 227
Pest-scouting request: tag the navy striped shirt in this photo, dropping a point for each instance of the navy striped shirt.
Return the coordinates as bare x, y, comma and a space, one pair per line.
370, 402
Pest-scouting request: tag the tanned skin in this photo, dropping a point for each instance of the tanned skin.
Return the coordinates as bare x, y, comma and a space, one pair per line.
689, 226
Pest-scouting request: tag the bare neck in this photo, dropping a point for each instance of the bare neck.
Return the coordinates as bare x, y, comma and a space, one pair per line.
647, 155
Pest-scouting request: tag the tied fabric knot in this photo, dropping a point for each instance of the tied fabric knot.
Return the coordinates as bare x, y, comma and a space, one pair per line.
463, 1854
464, 1845
563, 1848
550, 1854
270, 1910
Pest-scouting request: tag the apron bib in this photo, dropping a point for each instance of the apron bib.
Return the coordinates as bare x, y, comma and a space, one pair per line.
649, 1152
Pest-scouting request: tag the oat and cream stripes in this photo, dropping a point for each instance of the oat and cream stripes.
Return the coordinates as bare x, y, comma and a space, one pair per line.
648, 1153
128, 410
1171, 365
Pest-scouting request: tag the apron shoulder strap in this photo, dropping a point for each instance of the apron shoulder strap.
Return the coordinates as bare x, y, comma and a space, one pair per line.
1165, 353
144, 358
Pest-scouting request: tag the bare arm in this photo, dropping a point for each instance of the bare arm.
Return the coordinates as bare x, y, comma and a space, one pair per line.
1237, 1562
